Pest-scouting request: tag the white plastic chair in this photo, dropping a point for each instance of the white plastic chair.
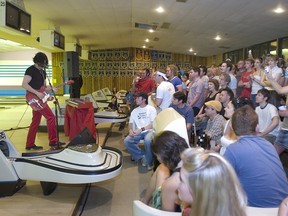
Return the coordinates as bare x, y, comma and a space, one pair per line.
253, 211
141, 209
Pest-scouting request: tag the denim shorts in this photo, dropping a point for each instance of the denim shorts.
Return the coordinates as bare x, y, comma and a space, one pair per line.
282, 139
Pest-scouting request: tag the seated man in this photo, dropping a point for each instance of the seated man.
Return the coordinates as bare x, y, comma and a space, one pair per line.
180, 105
256, 162
215, 121
269, 121
140, 125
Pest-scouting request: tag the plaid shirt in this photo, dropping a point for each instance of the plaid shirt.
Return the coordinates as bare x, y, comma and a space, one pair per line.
215, 127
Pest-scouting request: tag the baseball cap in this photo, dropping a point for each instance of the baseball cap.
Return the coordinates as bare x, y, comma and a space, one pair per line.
162, 74
216, 105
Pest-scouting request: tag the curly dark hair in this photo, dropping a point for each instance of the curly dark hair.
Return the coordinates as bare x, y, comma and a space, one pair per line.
240, 102
168, 146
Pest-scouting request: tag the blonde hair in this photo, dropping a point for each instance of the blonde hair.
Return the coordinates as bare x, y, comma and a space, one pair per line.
214, 186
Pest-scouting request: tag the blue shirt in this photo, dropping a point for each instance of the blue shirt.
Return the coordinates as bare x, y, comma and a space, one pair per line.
176, 81
259, 170
186, 112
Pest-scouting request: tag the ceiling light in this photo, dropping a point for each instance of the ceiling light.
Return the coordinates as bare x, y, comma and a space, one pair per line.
143, 46
217, 37
151, 30
160, 10
279, 10
190, 50
147, 40
195, 53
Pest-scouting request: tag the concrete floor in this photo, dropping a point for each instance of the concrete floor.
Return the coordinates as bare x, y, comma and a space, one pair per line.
113, 197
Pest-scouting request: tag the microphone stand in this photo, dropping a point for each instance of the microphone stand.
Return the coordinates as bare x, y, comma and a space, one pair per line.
57, 106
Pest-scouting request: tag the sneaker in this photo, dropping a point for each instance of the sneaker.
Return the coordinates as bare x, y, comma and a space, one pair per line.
34, 147
150, 167
56, 144
143, 161
56, 147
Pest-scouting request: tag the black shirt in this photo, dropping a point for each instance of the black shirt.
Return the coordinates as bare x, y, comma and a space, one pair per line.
38, 77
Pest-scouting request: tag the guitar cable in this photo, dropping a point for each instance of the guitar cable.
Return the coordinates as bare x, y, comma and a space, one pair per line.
17, 126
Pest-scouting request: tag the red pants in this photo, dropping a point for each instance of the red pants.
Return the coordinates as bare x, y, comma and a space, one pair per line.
36, 119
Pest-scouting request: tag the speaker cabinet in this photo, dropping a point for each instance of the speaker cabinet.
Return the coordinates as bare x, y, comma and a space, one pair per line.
71, 64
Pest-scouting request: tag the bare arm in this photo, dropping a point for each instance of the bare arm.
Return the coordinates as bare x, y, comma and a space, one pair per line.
276, 86
158, 101
157, 179
169, 192
179, 88
283, 208
194, 100
26, 86
272, 126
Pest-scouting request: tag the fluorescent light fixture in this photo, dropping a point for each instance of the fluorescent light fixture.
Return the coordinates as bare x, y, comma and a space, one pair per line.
151, 30
147, 40
160, 9
217, 37
190, 50
279, 10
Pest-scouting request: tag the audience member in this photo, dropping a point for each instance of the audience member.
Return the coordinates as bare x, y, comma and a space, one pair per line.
257, 79
245, 81
224, 80
145, 83
113, 105
215, 123
162, 190
201, 118
281, 143
172, 75
185, 82
256, 162
205, 79
269, 121
164, 91
228, 134
240, 70
209, 186
275, 72
179, 104
195, 97
225, 96
140, 125
226, 67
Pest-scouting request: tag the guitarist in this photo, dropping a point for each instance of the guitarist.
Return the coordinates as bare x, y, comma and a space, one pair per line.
34, 80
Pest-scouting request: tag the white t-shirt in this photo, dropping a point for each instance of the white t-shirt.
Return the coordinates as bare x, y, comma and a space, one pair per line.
142, 116
233, 83
165, 92
265, 118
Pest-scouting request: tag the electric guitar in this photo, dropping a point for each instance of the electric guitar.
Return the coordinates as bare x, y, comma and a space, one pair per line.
39, 104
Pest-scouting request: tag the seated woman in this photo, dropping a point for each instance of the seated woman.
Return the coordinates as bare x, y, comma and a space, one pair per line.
162, 190
228, 133
201, 119
113, 105
209, 186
